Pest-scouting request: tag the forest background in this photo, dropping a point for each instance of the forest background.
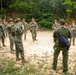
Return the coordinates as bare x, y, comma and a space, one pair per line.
44, 11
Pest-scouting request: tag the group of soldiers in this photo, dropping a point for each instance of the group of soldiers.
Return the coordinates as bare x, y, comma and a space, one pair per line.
15, 29
69, 32
72, 28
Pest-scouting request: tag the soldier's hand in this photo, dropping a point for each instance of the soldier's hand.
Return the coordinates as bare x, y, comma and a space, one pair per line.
22, 27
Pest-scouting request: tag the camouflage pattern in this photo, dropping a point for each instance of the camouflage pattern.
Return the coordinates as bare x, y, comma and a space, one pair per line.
5, 27
67, 34
25, 27
11, 38
73, 32
33, 30
55, 26
2, 33
18, 41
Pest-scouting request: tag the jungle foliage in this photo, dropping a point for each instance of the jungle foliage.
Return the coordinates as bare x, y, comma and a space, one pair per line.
44, 11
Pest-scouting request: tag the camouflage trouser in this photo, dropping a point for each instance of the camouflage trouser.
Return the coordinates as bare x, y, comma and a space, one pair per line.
3, 40
25, 35
19, 49
73, 38
57, 50
0, 41
73, 34
11, 42
34, 34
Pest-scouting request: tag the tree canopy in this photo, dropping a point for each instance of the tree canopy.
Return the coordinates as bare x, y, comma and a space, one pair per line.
45, 11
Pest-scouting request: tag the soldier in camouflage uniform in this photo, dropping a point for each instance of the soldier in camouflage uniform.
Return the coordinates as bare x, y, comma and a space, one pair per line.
25, 27
73, 31
2, 33
33, 29
19, 30
55, 25
67, 34
5, 25
11, 38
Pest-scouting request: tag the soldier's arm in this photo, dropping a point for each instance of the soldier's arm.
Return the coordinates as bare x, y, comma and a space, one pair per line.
20, 30
37, 26
55, 35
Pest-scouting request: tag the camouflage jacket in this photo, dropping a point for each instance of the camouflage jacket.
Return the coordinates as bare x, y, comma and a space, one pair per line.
33, 25
18, 33
2, 33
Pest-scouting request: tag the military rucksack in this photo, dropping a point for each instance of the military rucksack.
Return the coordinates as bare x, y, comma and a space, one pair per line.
63, 42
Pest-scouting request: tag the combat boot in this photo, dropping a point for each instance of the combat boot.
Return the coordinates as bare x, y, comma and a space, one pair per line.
4, 45
12, 52
23, 60
17, 58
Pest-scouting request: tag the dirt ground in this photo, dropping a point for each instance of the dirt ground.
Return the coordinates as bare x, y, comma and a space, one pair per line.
41, 50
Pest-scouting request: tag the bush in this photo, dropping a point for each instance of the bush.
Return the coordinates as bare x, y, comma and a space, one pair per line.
46, 20
45, 23
0, 16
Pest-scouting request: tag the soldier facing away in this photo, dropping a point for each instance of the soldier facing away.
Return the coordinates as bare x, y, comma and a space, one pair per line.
33, 29
19, 30
67, 34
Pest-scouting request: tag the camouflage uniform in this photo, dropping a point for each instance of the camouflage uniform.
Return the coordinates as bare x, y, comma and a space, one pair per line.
11, 38
5, 27
2, 33
67, 34
25, 27
33, 30
18, 41
54, 26
73, 32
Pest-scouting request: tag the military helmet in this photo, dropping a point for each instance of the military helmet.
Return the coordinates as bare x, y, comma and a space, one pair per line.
17, 19
62, 21
10, 20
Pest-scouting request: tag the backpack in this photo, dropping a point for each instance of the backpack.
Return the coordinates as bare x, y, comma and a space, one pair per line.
63, 42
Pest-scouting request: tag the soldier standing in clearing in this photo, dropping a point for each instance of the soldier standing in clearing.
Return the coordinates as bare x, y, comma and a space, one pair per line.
5, 25
73, 31
2, 33
55, 25
19, 30
33, 29
11, 38
25, 27
67, 34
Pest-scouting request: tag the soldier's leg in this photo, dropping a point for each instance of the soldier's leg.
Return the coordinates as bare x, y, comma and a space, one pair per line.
25, 35
65, 60
17, 51
35, 35
3, 41
56, 53
11, 45
21, 50
73, 40
0, 43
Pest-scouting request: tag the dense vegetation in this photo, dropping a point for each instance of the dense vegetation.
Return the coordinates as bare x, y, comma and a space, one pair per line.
45, 11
